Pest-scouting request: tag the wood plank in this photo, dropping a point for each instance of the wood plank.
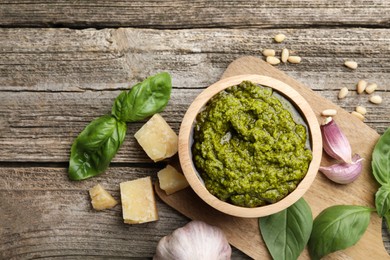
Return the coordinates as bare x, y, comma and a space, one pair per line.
40, 127
79, 60
44, 214
243, 233
194, 14
54, 81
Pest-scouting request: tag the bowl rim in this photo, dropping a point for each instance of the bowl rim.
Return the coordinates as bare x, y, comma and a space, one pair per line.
185, 154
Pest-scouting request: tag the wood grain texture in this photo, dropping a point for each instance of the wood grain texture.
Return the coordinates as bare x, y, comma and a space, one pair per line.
322, 194
44, 215
80, 60
54, 81
194, 14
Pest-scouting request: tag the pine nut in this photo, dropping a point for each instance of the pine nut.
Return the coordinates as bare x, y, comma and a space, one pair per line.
361, 110
351, 64
371, 88
361, 86
273, 60
329, 112
280, 37
294, 59
376, 99
343, 93
358, 115
285, 54
268, 52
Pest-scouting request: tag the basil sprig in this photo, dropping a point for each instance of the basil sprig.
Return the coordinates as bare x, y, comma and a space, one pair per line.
381, 170
97, 144
337, 228
286, 233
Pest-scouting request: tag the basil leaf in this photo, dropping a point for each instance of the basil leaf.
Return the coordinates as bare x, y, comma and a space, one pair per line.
382, 200
286, 233
381, 159
144, 99
94, 148
336, 228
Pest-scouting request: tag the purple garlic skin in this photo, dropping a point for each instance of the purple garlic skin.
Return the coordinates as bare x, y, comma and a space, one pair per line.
344, 173
334, 141
196, 240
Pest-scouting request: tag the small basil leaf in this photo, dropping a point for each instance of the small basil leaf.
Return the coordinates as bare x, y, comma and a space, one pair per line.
94, 148
286, 233
337, 228
381, 159
144, 99
382, 200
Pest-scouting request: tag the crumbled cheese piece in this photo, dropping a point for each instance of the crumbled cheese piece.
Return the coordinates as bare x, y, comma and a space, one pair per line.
157, 138
171, 180
100, 198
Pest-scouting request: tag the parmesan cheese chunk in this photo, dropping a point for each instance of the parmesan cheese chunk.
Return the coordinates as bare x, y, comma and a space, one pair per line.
157, 138
138, 203
100, 198
171, 180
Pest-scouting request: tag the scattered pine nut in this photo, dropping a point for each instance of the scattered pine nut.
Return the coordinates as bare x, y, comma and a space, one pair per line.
343, 93
329, 112
294, 59
358, 115
268, 52
361, 86
279, 37
273, 60
351, 64
376, 99
285, 54
361, 110
371, 88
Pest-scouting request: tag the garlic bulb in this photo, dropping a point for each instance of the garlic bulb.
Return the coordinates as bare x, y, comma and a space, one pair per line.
196, 240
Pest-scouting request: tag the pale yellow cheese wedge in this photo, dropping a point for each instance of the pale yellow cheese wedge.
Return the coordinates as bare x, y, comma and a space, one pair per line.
100, 198
138, 202
157, 138
171, 180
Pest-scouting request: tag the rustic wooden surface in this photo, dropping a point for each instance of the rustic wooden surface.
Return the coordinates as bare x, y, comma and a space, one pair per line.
54, 80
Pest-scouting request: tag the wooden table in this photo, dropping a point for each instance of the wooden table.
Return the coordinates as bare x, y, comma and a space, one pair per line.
63, 62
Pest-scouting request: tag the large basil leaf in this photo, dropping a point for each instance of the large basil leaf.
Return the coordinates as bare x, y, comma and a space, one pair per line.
144, 99
382, 200
286, 233
381, 159
94, 148
337, 228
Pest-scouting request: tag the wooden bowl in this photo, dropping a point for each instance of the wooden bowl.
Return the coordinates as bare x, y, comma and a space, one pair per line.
186, 140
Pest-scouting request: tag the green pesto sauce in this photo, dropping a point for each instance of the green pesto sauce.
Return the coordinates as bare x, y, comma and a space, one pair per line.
247, 147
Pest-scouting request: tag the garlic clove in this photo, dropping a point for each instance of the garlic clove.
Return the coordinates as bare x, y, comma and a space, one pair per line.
334, 141
196, 240
344, 173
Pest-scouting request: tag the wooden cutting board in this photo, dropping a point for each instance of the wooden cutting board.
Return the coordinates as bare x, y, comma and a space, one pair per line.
243, 233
